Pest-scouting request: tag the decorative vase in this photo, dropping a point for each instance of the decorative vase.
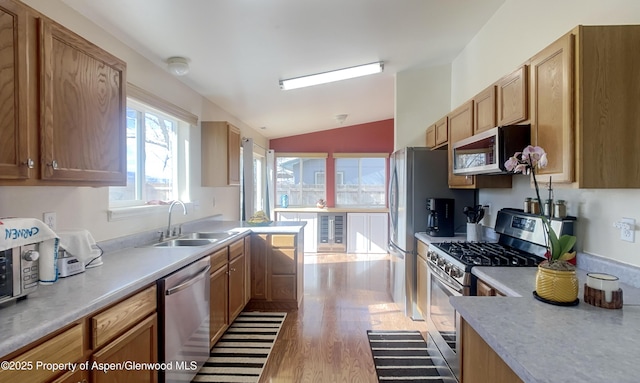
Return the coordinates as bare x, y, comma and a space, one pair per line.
556, 285
321, 204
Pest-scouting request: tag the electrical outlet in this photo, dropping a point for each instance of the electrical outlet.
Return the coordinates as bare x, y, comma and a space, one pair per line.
49, 220
628, 234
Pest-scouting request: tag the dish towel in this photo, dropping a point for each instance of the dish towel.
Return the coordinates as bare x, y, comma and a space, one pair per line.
28, 231
80, 244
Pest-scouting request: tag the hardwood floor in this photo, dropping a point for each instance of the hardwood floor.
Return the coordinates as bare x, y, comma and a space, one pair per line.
326, 339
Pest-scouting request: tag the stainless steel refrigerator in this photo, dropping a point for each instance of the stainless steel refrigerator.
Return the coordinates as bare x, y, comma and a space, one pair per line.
415, 175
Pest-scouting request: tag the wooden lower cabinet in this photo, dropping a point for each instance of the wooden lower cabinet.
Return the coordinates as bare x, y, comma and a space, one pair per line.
422, 293
276, 271
228, 291
126, 331
138, 344
480, 364
78, 376
483, 289
219, 297
66, 347
236, 286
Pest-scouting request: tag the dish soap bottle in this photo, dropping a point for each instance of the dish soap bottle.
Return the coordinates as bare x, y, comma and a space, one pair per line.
284, 201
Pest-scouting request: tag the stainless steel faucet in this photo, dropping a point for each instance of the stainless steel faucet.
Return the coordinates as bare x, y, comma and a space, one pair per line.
184, 208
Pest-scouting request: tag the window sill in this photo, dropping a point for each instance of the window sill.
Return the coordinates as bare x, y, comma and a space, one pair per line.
123, 213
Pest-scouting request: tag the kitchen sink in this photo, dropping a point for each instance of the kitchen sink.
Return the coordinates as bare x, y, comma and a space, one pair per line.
210, 235
180, 242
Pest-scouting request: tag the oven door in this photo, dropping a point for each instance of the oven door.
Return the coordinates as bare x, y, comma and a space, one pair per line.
443, 320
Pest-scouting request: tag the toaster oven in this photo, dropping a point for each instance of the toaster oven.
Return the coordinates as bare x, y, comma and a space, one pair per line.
18, 272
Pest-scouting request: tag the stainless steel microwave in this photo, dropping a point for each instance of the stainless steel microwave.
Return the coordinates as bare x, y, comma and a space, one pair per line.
486, 152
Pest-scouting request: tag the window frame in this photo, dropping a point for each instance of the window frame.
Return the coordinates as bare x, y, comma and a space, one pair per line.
184, 121
300, 157
360, 157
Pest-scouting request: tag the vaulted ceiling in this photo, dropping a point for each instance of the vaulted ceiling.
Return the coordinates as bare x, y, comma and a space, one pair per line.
238, 50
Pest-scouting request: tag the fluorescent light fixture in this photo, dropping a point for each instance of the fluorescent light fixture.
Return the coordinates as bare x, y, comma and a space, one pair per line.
336, 75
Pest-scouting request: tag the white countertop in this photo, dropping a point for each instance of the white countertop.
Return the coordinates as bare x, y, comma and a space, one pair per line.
125, 271
547, 343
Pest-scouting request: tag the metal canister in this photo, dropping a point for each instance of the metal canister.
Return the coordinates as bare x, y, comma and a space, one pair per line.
527, 205
559, 209
548, 208
534, 207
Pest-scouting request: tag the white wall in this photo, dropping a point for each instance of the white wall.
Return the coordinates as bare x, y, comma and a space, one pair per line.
422, 97
83, 207
517, 31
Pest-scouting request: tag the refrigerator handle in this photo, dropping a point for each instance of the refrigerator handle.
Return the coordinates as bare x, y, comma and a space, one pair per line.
393, 247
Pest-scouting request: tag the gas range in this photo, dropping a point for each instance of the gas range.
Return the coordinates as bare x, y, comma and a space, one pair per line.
521, 244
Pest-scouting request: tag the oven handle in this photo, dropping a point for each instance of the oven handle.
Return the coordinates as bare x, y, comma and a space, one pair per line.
457, 289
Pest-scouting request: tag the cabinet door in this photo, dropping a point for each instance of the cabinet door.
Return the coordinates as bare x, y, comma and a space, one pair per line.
460, 127
83, 97
218, 306
378, 232
442, 131
552, 123
431, 136
236, 287
310, 231
247, 269
233, 159
14, 123
484, 290
77, 376
138, 344
357, 235
484, 110
512, 97
422, 292
259, 254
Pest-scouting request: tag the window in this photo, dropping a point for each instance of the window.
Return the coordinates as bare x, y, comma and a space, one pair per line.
302, 179
360, 181
152, 157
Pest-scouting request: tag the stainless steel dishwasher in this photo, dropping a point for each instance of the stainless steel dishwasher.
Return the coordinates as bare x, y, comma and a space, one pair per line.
184, 323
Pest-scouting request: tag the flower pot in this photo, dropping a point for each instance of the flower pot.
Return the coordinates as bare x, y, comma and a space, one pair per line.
556, 285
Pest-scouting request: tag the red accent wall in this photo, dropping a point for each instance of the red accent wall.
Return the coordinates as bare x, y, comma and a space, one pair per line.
372, 137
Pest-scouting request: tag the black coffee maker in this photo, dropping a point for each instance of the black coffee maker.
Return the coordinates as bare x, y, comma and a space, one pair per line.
440, 217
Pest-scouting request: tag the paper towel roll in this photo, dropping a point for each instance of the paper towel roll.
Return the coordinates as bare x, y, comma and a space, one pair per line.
48, 261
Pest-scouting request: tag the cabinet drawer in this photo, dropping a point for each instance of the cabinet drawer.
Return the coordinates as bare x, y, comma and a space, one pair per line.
283, 261
63, 348
283, 240
236, 249
219, 258
112, 322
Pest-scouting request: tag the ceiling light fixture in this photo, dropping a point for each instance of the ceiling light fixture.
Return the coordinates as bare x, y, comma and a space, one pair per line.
336, 75
178, 66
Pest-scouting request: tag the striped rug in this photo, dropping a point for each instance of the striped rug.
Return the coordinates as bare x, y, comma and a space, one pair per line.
401, 356
243, 350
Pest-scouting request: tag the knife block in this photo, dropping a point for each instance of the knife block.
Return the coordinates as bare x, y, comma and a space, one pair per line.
596, 298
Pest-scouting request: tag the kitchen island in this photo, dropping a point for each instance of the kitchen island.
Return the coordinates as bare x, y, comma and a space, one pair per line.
540, 342
124, 272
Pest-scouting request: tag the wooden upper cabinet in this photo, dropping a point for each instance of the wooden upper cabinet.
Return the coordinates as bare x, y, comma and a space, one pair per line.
14, 106
512, 97
484, 110
83, 105
431, 136
442, 131
552, 128
460, 127
220, 153
607, 99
